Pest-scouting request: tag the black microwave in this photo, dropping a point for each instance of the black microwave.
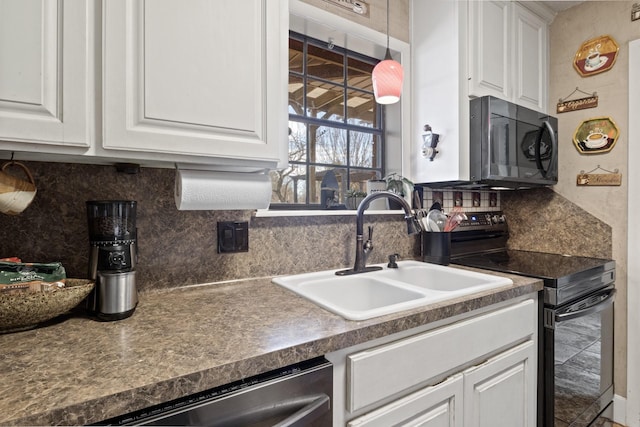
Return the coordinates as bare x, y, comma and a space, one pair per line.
511, 146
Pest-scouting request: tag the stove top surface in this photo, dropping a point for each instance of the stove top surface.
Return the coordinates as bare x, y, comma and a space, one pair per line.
551, 267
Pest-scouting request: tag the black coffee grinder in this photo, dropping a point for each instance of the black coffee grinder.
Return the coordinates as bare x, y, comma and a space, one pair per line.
112, 258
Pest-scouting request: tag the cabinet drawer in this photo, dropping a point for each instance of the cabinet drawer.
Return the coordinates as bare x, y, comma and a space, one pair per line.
440, 405
388, 369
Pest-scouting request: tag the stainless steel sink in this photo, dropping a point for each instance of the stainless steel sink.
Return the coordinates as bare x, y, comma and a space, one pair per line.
367, 295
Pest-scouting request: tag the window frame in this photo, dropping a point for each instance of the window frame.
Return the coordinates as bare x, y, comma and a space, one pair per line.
312, 21
343, 125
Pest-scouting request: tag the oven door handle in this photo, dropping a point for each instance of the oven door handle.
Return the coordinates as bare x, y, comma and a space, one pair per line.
304, 416
602, 301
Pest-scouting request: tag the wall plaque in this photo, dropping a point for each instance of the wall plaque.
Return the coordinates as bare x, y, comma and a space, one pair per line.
577, 104
592, 179
597, 135
596, 56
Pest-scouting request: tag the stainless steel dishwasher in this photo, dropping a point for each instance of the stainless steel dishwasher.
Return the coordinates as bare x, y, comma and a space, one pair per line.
294, 396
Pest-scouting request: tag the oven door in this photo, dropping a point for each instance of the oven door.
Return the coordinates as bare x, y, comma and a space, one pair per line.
578, 359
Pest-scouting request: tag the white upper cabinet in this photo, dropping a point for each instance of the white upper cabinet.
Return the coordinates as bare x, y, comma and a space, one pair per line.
46, 73
196, 78
531, 59
490, 49
473, 48
508, 52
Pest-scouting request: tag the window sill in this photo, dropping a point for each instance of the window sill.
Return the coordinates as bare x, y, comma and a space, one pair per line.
266, 213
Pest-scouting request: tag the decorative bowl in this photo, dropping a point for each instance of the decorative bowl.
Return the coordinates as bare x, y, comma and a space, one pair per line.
28, 309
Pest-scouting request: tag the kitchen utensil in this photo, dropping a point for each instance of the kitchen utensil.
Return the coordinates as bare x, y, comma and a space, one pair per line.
454, 219
417, 204
421, 215
436, 219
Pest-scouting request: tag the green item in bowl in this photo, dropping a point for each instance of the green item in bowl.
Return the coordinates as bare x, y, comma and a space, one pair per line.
25, 310
30, 276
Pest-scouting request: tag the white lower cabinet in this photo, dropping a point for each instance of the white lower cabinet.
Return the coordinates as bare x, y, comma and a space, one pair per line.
435, 406
501, 392
478, 371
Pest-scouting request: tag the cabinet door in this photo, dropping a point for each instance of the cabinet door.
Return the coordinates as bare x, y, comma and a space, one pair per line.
436, 406
201, 77
502, 391
490, 48
530, 39
46, 72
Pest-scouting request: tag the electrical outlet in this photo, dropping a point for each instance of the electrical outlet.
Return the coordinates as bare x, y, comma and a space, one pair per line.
233, 236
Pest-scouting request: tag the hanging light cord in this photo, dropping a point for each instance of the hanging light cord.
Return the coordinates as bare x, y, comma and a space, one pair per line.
388, 53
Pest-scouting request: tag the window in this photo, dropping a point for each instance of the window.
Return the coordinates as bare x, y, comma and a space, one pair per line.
336, 131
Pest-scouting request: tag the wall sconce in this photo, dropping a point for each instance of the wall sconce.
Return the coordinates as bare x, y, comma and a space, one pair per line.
430, 143
387, 76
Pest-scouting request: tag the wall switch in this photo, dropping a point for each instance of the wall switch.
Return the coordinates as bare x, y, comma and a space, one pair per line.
233, 236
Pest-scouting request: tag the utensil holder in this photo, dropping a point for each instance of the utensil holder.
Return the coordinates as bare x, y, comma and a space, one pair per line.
436, 247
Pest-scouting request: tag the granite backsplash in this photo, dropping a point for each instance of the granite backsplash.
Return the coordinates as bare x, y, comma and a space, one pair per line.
178, 248
544, 221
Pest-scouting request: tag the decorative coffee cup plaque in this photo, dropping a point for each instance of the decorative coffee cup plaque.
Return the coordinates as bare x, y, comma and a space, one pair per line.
596, 56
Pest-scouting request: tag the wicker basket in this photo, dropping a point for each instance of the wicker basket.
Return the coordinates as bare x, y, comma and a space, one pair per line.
28, 309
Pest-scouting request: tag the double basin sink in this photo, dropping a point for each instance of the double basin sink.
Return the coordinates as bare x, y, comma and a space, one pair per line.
390, 290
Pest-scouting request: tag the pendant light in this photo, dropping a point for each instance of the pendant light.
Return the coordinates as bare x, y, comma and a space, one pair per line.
387, 76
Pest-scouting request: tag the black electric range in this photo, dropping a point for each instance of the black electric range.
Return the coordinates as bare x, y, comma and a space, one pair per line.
565, 277
576, 325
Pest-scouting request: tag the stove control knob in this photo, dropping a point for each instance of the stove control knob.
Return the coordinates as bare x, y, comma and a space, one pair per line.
498, 219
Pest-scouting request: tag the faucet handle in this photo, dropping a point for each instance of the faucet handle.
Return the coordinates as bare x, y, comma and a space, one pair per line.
368, 245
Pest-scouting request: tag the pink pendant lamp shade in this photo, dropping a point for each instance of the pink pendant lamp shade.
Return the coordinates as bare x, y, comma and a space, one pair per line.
387, 80
387, 76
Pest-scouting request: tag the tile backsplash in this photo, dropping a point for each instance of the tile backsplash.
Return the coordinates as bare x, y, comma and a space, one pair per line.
469, 201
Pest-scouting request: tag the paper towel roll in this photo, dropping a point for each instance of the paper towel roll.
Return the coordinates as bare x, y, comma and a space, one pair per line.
206, 190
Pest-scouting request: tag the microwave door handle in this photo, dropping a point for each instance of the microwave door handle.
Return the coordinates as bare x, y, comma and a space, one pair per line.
595, 308
554, 146
304, 416
554, 149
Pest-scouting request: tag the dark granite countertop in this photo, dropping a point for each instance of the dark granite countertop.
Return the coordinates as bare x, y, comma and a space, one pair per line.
182, 341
